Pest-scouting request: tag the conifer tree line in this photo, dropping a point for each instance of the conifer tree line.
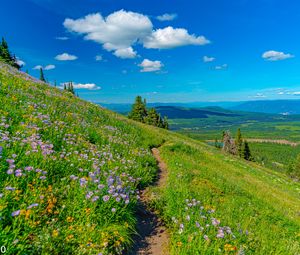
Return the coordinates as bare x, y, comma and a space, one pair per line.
237, 146
150, 116
6, 56
69, 87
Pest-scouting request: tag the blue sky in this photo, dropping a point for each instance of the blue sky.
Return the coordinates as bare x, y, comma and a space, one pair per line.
166, 51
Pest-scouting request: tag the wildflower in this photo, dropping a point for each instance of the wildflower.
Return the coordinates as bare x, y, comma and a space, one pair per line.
10, 171
1, 195
105, 198
18, 173
30, 168
113, 210
70, 219
10, 188
15, 213
95, 198
206, 237
54, 233
220, 234
179, 244
69, 237
229, 247
188, 217
215, 222
32, 205
197, 224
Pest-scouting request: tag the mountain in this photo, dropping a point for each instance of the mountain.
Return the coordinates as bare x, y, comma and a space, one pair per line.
270, 106
72, 172
175, 112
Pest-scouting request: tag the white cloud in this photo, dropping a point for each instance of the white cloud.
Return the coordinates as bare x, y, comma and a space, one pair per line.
38, 67
273, 55
121, 30
170, 37
150, 66
49, 67
280, 93
125, 53
62, 38
118, 31
207, 59
260, 95
65, 57
89, 86
222, 67
167, 17
20, 62
98, 58
296, 93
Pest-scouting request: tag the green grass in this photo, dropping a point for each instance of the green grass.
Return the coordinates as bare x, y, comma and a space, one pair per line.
275, 156
78, 146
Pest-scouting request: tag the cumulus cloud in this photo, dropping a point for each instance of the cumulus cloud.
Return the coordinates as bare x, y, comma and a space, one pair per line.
150, 66
118, 31
98, 58
20, 62
207, 59
167, 17
169, 37
89, 86
222, 67
47, 67
121, 30
62, 38
65, 57
38, 67
296, 93
273, 55
125, 53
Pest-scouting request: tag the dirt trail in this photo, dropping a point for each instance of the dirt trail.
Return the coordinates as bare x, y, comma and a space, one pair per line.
153, 238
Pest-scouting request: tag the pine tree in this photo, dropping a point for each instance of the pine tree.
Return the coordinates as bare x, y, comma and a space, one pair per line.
6, 56
65, 86
239, 143
42, 77
139, 111
246, 151
152, 117
166, 123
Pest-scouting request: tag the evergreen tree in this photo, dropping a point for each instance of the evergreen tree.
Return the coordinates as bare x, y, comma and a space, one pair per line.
138, 111
246, 151
152, 118
42, 77
166, 123
239, 143
65, 86
6, 56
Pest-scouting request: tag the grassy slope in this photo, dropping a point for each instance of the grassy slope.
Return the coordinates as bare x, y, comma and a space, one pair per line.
261, 207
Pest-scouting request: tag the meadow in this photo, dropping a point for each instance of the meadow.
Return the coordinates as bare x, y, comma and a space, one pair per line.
71, 173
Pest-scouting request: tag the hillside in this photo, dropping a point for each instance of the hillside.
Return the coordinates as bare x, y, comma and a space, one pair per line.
71, 173
270, 106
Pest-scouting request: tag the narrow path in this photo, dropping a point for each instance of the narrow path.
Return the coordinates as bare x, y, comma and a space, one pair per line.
153, 238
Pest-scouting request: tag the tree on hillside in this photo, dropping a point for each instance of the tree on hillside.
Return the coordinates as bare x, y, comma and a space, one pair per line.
69, 87
239, 143
138, 111
246, 151
152, 117
165, 123
294, 168
42, 77
6, 56
229, 144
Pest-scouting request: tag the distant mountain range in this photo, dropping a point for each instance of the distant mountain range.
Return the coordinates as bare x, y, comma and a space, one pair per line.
285, 107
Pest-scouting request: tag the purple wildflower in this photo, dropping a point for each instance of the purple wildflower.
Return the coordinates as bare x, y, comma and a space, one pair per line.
105, 198
43, 177
10, 171
32, 205
95, 198
113, 210
15, 213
